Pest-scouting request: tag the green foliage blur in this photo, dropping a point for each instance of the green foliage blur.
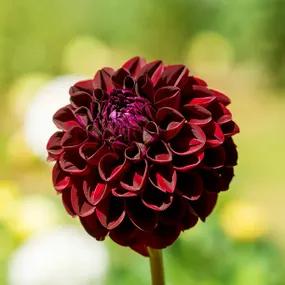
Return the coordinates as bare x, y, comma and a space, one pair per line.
236, 46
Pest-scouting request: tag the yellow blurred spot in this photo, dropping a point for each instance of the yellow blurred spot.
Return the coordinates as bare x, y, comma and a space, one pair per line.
85, 55
23, 90
17, 150
210, 55
34, 214
243, 221
8, 199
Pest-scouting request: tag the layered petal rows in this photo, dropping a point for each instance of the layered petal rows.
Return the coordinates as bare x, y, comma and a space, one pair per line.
142, 152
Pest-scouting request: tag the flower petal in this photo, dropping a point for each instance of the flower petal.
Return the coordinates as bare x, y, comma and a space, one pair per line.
190, 185
111, 212
73, 138
92, 152
135, 178
153, 70
54, 147
158, 152
163, 178
78, 201
71, 162
118, 78
134, 65
144, 87
205, 205
215, 157
61, 180
94, 190
134, 152
102, 79
196, 114
150, 133
66, 200
168, 96
64, 118
111, 167
83, 116
170, 122
80, 99
155, 199
214, 134
175, 75
189, 140
186, 163
142, 217
93, 226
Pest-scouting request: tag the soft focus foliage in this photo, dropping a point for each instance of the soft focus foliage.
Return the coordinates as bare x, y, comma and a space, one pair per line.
237, 46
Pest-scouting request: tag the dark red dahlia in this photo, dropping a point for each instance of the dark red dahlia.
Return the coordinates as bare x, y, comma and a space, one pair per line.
142, 152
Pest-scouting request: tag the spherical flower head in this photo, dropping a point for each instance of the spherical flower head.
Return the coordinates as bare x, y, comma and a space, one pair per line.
142, 152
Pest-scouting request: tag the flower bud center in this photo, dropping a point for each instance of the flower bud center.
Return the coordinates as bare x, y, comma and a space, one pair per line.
125, 114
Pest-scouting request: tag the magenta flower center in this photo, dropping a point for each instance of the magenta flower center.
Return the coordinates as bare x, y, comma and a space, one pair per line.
124, 115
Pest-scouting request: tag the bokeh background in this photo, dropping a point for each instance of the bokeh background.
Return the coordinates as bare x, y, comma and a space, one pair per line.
237, 46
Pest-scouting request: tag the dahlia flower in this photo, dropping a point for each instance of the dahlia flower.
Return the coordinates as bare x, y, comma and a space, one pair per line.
142, 152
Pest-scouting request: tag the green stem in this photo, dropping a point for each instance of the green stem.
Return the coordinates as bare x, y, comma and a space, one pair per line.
156, 266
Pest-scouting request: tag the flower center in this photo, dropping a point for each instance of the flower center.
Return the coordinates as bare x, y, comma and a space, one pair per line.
124, 114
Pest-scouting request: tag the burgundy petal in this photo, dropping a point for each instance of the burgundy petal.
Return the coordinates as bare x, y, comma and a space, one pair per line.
119, 76
92, 152
81, 99
159, 153
175, 75
121, 192
190, 218
155, 199
79, 203
231, 152
186, 163
71, 162
111, 167
134, 65
66, 200
190, 185
190, 140
225, 100
94, 189
142, 217
214, 134
64, 118
196, 114
168, 96
170, 122
111, 212
144, 87
102, 79
126, 234
73, 138
229, 128
150, 133
134, 152
153, 70
163, 178
176, 209
54, 147
86, 85
204, 206
135, 178
215, 157
163, 236
61, 180
93, 226
83, 116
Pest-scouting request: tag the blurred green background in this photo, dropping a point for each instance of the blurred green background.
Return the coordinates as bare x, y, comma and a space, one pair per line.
237, 46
